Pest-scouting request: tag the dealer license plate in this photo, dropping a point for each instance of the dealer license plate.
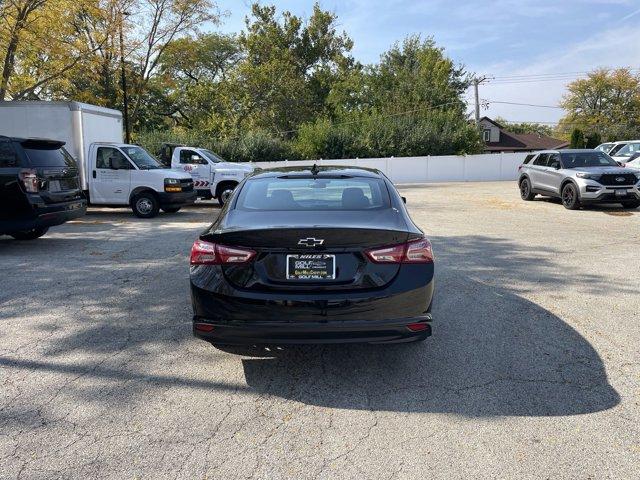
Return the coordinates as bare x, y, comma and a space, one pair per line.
311, 266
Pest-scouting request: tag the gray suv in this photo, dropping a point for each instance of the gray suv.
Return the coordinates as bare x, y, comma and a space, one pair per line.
578, 177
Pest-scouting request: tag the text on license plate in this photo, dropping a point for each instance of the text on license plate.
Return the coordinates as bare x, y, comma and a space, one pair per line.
311, 266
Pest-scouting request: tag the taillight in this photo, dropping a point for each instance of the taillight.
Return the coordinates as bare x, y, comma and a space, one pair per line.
234, 254
392, 254
29, 179
414, 251
207, 253
418, 251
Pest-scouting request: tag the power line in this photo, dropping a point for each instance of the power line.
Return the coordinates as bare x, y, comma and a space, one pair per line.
524, 104
546, 77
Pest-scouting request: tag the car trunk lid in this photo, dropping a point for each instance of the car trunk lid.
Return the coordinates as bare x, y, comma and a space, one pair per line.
306, 235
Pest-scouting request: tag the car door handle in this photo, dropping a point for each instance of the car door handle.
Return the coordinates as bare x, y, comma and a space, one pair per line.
94, 174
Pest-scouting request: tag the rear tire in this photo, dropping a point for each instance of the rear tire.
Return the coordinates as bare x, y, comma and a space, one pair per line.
570, 198
632, 205
171, 210
145, 205
525, 190
30, 234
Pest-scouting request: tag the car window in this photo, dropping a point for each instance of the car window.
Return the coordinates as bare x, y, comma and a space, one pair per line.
105, 154
587, 159
317, 193
541, 161
8, 156
628, 150
616, 148
47, 155
528, 158
554, 161
187, 156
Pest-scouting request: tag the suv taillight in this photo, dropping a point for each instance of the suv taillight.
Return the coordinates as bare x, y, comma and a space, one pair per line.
29, 179
207, 253
414, 251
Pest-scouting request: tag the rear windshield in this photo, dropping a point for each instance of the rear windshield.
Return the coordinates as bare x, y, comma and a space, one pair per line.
587, 159
49, 156
319, 193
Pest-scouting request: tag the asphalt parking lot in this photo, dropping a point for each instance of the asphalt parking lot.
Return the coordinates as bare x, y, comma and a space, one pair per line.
533, 370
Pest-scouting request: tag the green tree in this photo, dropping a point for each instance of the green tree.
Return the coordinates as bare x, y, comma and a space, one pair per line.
39, 44
607, 102
577, 138
287, 69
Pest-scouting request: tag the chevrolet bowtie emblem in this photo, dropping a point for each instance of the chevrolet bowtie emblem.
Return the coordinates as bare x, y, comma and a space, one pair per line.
311, 242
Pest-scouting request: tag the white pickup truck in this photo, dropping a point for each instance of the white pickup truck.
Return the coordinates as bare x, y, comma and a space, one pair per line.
111, 173
212, 176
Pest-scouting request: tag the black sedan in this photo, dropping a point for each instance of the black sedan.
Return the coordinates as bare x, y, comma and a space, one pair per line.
312, 255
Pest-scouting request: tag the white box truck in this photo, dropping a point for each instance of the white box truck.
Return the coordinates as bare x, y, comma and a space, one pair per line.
112, 173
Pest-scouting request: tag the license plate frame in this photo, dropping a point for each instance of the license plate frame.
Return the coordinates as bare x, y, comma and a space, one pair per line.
319, 267
622, 192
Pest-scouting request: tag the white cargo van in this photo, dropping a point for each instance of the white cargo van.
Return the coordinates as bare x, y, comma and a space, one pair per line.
212, 176
111, 173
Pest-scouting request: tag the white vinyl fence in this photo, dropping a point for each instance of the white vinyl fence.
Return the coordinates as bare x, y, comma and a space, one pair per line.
447, 168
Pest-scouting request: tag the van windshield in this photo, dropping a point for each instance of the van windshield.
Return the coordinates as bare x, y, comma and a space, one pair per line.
142, 159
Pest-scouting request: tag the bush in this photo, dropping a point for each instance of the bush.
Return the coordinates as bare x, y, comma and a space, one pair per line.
356, 136
253, 147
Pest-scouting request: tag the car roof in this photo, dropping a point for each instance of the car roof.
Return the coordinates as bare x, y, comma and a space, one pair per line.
322, 171
567, 150
33, 139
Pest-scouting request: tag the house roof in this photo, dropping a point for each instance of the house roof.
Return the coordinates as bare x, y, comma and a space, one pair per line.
510, 141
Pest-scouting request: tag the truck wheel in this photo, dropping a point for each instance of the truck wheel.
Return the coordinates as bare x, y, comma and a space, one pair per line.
145, 205
631, 204
525, 190
30, 234
570, 198
170, 209
224, 195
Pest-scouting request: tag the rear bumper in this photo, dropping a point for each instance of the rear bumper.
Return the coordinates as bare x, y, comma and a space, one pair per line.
176, 199
46, 216
239, 316
282, 333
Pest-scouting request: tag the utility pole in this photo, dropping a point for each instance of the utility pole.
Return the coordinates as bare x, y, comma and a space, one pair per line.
125, 97
477, 81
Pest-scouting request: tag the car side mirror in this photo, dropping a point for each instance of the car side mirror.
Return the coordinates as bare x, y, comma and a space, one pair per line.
557, 166
404, 200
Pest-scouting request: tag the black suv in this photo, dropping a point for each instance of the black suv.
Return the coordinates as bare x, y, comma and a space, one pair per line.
39, 187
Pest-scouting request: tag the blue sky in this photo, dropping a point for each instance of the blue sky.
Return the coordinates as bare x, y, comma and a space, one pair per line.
498, 38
